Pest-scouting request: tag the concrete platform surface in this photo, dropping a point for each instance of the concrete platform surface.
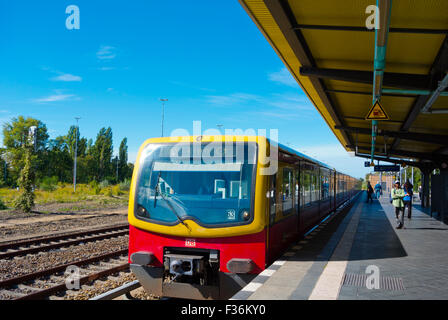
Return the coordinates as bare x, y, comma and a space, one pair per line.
361, 256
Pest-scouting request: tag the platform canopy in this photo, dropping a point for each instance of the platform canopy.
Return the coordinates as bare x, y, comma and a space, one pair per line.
329, 50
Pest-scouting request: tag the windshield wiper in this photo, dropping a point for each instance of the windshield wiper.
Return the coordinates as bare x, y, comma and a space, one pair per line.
169, 204
174, 211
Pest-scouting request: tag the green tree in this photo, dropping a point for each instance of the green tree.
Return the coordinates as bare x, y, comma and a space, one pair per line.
102, 152
71, 142
59, 161
15, 137
123, 170
4, 176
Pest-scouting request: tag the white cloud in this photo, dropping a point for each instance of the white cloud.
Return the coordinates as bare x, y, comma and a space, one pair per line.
57, 97
278, 115
283, 106
106, 53
284, 77
106, 68
233, 99
67, 78
61, 76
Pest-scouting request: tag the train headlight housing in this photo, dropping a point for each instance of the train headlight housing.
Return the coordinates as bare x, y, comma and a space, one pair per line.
142, 212
245, 214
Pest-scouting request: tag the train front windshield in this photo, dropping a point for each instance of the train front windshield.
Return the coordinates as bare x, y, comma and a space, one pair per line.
205, 182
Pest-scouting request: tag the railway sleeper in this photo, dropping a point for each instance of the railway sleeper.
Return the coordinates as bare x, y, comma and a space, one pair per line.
28, 288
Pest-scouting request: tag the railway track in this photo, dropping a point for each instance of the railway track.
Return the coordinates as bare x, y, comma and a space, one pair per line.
123, 290
51, 283
30, 246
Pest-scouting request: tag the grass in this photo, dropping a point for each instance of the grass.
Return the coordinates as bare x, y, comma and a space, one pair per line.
63, 193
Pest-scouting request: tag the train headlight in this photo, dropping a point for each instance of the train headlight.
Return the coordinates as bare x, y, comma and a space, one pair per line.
245, 214
142, 212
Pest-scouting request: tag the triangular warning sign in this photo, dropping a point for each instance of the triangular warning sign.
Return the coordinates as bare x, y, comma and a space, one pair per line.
377, 112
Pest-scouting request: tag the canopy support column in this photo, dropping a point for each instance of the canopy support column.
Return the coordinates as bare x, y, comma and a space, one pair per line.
381, 35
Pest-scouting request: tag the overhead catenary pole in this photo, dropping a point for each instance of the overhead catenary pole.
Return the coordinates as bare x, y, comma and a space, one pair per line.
163, 111
76, 153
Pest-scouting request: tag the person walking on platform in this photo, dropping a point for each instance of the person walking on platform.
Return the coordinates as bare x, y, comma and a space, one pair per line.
420, 191
378, 190
397, 195
408, 193
369, 192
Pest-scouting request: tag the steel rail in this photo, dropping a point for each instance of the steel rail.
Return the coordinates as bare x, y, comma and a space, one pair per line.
57, 269
115, 293
48, 247
28, 241
44, 293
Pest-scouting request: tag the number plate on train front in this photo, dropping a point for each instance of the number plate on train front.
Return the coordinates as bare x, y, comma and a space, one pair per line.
190, 242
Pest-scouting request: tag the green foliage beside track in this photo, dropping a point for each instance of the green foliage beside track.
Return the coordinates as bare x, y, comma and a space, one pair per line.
49, 163
25, 201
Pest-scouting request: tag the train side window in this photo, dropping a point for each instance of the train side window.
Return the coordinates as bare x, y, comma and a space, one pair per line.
287, 191
272, 194
306, 187
325, 184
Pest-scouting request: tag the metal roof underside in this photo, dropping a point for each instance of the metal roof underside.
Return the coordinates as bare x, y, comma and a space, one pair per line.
330, 52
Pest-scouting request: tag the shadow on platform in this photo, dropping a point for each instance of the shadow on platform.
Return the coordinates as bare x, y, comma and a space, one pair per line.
375, 237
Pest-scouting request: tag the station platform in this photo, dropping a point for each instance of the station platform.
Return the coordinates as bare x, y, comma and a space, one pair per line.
352, 254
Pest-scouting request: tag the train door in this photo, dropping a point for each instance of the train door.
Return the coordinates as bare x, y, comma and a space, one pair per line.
297, 197
288, 216
272, 241
318, 188
333, 177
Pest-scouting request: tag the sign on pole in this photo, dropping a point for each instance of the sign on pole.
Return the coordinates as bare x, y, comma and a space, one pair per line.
391, 168
377, 112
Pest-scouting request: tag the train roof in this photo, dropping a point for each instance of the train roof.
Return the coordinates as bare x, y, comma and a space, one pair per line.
304, 156
301, 155
244, 137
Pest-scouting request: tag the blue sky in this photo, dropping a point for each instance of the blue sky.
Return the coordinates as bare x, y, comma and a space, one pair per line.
207, 57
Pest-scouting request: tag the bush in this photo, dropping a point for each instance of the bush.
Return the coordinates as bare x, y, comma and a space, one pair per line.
49, 183
104, 184
125, 185
2, 205
107, 192
116, 190
95, 187
111, 180
25, 201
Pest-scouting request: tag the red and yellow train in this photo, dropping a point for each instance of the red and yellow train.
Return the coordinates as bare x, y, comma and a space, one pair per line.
208, 213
